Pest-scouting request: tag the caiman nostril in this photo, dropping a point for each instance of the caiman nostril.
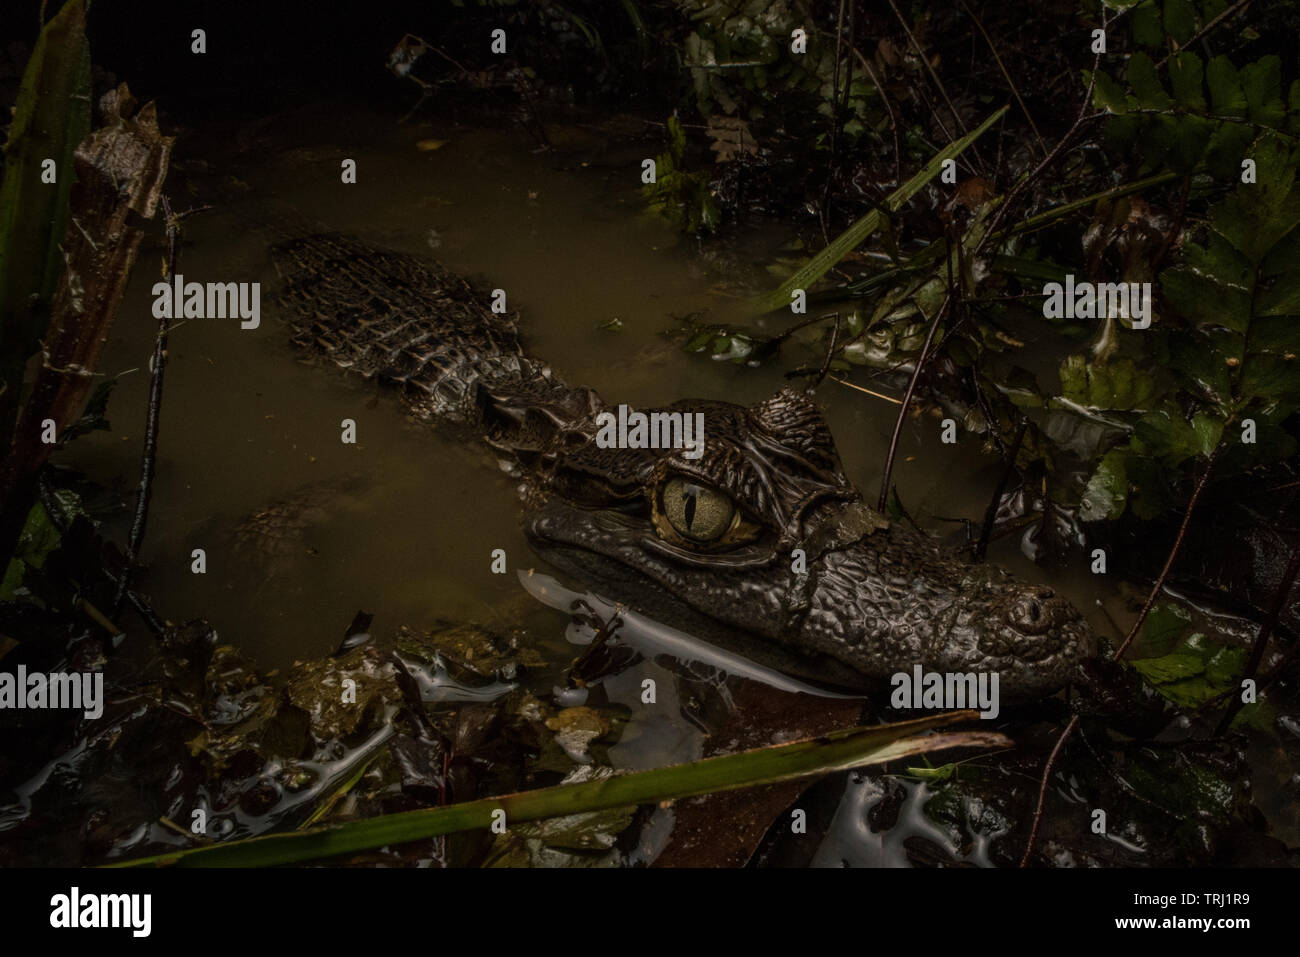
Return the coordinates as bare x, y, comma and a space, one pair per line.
1033, 612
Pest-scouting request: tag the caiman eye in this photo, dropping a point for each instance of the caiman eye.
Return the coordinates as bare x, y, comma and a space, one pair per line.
696, 512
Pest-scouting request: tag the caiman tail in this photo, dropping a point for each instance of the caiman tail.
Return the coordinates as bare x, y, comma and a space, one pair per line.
428, 332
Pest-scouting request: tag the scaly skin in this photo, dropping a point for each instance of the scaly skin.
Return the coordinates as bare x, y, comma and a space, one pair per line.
873, 598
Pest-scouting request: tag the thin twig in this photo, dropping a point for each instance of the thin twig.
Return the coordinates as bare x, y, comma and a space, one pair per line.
924, 60
878, 395
889, 107
1042, 788
835, 121
1173, 554
99, 618
149, 455
991, 513
1011, 83
777, 340
1048, 160
907, 400
826, 363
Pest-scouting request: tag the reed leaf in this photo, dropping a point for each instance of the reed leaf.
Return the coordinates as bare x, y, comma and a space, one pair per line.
837, 751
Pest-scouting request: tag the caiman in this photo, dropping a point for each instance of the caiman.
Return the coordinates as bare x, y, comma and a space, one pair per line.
704, 543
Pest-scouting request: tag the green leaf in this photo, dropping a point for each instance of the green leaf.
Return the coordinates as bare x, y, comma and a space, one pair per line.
1113, 385
1148, 31
1149, 492
1191, 693
1228, 145
1261, 81
1146, 84
1200, 366
1185, 73
1165, 435
1180, 20
1169, 668
1196, 670
840, 750
1207, 287
1271, 377
1208, 430
1225, 666
1107, 491
1163, 627
1226, 95
1107, 94
1256, 216
37, 540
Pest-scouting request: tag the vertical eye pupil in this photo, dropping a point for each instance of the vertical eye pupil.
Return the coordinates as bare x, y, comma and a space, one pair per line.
696, 512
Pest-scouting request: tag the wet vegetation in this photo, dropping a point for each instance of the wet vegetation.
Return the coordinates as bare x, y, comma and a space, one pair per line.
1162, 457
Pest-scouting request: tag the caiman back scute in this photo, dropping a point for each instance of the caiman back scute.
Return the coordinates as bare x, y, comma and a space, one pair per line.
409, 323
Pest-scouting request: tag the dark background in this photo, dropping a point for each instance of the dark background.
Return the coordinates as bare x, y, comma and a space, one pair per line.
266, 56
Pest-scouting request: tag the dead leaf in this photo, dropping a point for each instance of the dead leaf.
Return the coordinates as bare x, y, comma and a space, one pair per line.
731, 138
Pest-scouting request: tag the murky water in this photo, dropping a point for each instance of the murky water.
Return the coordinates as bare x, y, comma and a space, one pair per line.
402, 524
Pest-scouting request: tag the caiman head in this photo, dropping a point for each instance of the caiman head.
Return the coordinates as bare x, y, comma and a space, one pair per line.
762, 537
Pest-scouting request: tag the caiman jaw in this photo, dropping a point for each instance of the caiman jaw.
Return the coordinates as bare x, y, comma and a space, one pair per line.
865, 594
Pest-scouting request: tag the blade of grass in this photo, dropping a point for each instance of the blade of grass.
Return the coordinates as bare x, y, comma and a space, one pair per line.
838, 751
851, 238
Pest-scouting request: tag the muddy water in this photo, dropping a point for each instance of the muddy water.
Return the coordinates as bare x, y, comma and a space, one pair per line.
402, 524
